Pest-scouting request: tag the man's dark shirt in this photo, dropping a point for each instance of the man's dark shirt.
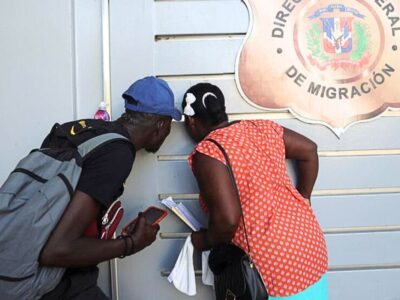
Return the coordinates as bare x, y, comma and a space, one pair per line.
104, 171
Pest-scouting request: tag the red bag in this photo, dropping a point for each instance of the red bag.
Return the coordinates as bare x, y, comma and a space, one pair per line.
109, 222
111, 219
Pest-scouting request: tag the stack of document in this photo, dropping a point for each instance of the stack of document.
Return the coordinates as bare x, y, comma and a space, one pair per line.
183, 213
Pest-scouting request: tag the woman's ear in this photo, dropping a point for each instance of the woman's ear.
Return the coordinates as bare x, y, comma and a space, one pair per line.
191, 122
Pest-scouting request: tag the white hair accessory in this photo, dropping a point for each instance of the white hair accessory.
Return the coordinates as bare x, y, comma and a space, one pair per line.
188, 110
205, 96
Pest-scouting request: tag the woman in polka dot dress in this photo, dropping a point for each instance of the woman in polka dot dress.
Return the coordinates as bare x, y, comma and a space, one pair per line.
286, 241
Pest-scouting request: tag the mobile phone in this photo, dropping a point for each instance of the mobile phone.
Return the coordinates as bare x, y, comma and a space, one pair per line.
152, 214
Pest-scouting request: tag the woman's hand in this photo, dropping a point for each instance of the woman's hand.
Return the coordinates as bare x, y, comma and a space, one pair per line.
199, 240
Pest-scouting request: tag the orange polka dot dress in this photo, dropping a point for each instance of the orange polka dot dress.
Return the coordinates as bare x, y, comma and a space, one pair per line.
286, 241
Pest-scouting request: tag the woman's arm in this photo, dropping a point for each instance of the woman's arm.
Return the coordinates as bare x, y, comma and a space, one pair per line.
304, 151
222, 201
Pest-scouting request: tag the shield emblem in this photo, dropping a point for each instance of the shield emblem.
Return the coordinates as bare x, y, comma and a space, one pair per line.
337, 37
326, 62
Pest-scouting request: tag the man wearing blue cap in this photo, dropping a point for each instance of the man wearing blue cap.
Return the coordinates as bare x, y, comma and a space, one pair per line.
74, 245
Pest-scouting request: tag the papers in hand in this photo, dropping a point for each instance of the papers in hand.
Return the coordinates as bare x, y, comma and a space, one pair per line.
182, 212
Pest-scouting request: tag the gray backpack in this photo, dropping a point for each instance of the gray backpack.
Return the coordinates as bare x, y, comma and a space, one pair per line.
32, 201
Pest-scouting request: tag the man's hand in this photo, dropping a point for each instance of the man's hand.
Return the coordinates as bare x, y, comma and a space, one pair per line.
143, 234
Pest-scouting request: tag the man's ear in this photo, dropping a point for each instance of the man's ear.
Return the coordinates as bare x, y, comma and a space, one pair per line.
160, 124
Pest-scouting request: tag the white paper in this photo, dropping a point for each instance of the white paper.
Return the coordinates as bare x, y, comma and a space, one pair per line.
182, 275
183, 213
207, 275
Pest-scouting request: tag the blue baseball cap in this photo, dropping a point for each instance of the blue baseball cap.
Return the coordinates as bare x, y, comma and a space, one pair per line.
151, 95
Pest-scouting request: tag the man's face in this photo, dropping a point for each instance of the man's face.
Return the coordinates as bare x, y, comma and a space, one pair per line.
159, 138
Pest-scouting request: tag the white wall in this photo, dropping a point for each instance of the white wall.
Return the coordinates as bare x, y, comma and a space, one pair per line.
36, 74
50, 71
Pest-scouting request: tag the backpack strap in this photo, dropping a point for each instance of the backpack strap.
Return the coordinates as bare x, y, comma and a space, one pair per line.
92, 144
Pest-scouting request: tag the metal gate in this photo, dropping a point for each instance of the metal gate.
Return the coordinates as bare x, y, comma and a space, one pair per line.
357, 195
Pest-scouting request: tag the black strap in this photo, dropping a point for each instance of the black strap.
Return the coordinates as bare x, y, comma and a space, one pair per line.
229, 166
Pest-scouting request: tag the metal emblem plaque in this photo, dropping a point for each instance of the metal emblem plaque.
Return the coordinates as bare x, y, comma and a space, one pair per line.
330, 62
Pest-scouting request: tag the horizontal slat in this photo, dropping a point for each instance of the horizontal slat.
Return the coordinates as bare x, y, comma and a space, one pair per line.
377, 152
389, 266
364, 172
343, 230
201, 17
342, 153
166, 273
374, 210
173, 235
361, 191
275, 115
179, 196
332, 192
337, 269
196, 56
198, 37
198, 77
353, 139
334, 173
363, 249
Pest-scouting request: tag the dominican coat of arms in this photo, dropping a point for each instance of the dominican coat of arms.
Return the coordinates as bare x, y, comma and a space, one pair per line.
330, 62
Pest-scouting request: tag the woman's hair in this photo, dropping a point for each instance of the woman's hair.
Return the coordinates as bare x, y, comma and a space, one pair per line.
205, 101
